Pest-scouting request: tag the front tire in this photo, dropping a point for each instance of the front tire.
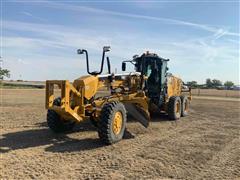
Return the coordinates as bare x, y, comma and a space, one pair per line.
55, 122
112, 122
174, 107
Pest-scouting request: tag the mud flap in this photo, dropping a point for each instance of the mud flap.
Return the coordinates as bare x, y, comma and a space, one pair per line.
138, 113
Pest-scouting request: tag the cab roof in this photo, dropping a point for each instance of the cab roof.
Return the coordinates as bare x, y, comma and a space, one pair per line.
149, 55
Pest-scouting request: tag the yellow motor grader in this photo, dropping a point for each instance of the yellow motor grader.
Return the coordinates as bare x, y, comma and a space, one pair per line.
138, 93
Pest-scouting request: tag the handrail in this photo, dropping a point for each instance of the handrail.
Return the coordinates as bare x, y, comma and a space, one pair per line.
105, 49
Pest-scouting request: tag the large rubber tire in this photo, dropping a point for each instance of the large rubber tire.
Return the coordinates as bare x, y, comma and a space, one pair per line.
106, 122
185, 106
174, 107
55, 122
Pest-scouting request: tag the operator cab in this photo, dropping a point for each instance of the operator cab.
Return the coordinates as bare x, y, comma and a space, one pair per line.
154, 68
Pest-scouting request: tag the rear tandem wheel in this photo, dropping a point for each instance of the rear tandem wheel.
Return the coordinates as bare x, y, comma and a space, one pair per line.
174, 107
185, 105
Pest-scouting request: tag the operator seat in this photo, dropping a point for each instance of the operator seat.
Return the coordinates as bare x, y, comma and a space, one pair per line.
153, 83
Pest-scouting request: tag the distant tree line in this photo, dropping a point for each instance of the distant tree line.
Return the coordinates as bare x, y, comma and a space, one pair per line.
4, 73
211, 84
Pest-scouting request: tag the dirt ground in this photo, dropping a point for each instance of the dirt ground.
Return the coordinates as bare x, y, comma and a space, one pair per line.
204, 145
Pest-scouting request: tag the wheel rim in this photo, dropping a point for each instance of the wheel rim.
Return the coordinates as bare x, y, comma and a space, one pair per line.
117, 123
177, 107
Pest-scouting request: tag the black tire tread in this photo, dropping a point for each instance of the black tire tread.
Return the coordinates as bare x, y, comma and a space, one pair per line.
171, 107
104, 129
183, 98
55, 123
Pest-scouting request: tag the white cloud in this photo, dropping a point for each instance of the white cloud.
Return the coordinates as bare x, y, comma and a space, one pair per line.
129, 15
21, 61
33, 16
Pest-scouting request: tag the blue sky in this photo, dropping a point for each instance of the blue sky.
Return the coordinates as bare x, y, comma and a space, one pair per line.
40, 38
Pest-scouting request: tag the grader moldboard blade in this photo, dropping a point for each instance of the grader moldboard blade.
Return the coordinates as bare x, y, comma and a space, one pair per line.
138, 113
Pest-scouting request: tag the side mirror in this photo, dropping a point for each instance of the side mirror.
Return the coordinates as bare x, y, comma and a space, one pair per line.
80, 51
106, 48
123, 66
